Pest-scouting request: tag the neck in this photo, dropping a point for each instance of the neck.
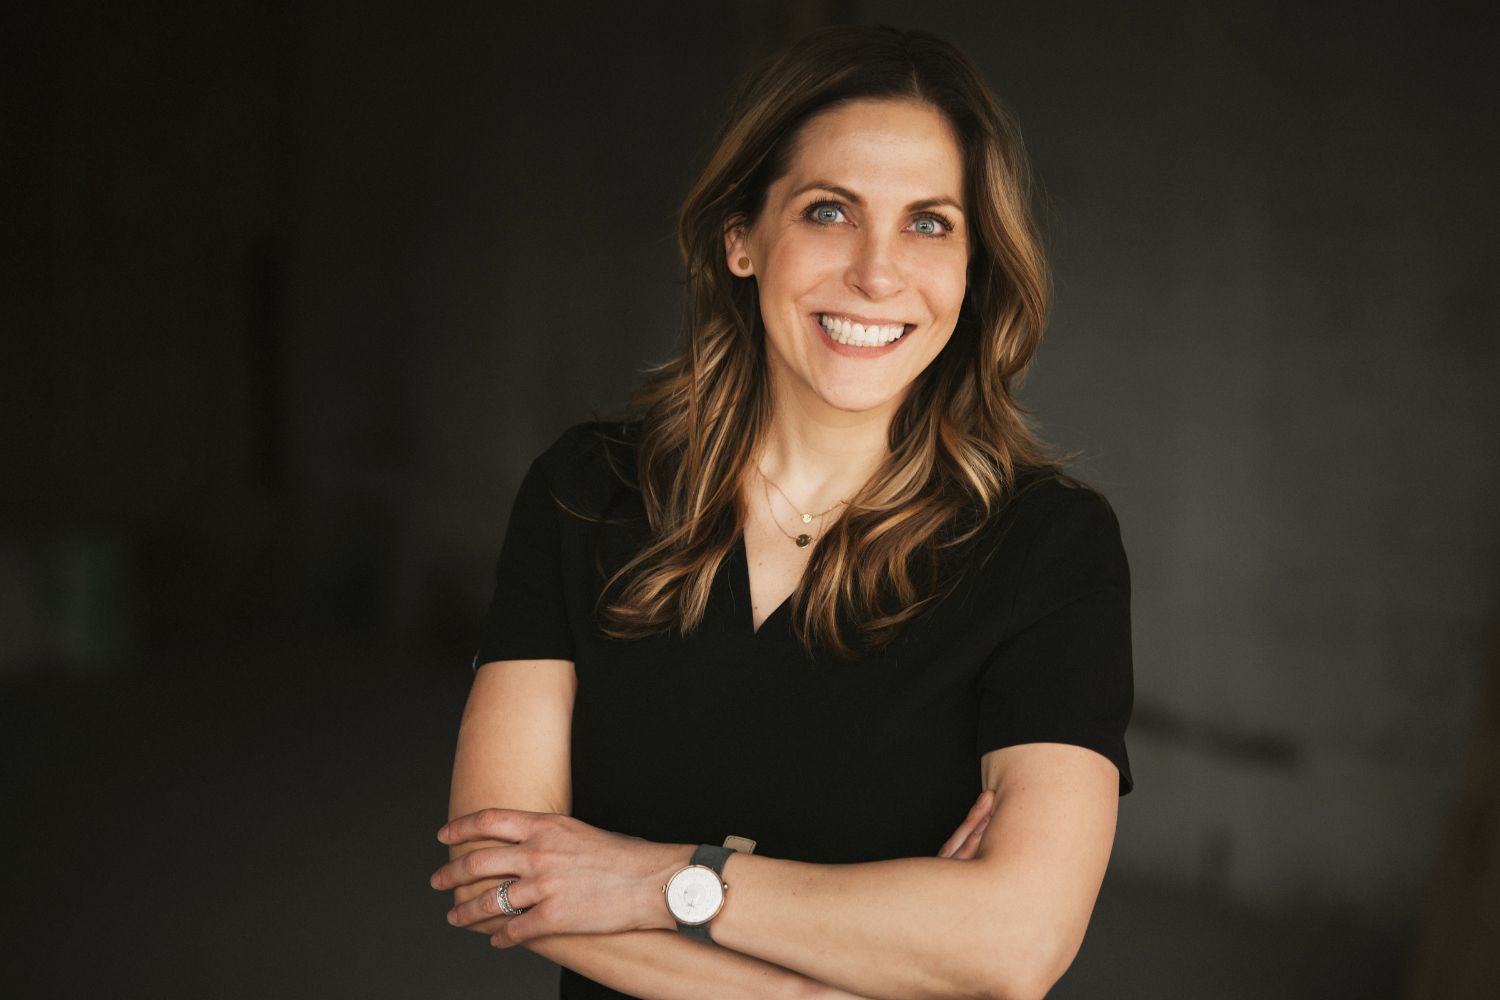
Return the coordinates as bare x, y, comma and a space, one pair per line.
822, 456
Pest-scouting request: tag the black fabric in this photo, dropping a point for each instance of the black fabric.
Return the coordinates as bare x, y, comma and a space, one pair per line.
734, 731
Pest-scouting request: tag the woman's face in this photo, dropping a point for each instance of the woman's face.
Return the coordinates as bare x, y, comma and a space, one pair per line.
860, 256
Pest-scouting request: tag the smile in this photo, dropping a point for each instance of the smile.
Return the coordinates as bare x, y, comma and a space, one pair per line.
843, 330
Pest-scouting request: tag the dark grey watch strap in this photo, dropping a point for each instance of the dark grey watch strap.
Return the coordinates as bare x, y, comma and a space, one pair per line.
714, 857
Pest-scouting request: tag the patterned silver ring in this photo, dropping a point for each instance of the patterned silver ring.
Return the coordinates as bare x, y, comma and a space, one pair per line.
502, 897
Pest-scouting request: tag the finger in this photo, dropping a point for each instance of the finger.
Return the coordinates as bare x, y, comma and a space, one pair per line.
959, 835
951, 844
487, 862
967, 835
533, 923
970, 847
490, 824
522, 895
977, 814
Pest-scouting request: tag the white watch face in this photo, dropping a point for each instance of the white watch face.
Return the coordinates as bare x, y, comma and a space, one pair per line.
694, 895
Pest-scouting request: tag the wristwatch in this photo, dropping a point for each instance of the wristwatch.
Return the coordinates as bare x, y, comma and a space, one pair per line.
695, 893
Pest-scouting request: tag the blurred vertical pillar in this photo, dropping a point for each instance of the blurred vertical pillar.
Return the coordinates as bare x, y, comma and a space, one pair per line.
1458, 951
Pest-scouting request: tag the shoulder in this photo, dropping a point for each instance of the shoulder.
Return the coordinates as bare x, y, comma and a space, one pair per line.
590, 465
1054, 531
1065, 544
1042, 503
1062, 511
592, 444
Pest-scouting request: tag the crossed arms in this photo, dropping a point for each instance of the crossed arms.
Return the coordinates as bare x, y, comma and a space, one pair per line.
1001, 916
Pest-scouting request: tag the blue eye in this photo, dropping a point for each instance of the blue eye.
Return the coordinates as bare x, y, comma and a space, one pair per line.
929, 226
826, 213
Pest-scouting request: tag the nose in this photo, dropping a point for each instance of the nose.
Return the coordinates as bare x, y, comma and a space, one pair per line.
873, 268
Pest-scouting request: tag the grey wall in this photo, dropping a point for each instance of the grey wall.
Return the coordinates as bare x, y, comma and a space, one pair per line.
478, 252
311, 284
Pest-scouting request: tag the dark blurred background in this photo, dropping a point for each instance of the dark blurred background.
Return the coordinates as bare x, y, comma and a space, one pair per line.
292, 292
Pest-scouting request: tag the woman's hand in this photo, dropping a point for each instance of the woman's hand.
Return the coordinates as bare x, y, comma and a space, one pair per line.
572, 878
964, 843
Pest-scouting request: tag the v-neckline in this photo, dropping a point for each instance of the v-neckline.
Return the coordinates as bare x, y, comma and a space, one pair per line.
742, 569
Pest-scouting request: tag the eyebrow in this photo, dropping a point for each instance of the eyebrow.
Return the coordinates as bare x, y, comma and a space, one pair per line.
855, 199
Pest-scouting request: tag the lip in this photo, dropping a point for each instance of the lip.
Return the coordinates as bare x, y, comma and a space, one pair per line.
854, 350
862, 320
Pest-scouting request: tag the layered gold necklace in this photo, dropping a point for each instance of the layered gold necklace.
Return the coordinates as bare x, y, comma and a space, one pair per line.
802, 540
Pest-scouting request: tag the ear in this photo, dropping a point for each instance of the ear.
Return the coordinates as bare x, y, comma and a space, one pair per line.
735, 253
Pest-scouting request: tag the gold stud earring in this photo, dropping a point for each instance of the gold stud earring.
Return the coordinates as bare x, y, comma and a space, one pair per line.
744, 263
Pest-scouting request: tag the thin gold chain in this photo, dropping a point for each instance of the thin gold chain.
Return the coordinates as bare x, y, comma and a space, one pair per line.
806, 518
803, 539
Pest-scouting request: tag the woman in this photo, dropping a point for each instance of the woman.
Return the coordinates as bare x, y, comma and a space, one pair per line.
823, 572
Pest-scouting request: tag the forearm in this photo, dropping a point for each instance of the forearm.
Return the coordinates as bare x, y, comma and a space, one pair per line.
903, 929
1003, 924
664, 965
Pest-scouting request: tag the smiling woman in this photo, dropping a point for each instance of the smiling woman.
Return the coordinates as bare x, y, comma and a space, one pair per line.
755, 650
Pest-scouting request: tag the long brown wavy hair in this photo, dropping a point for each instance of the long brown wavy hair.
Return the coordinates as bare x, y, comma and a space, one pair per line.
959, 439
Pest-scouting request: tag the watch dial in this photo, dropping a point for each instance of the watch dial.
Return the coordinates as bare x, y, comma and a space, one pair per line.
695, 894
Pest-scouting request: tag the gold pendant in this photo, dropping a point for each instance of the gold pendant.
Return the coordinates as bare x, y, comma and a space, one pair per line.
802, 541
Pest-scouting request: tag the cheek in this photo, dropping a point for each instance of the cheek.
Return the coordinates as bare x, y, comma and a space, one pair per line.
946, 286
950, 282
797, 265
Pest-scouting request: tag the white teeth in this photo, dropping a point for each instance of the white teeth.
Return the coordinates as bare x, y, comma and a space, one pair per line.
846, 332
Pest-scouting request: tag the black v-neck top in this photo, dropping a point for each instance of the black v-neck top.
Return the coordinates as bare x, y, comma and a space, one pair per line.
730, 730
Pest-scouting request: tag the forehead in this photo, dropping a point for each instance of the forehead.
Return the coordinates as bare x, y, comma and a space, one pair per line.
904, 146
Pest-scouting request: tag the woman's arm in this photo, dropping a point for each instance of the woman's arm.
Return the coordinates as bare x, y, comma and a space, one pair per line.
1004, 925
513, 753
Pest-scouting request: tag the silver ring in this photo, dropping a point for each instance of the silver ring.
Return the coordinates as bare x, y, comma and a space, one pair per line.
503, 898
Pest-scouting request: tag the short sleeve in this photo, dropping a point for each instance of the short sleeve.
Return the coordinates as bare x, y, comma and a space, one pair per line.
1062, 670
528, 617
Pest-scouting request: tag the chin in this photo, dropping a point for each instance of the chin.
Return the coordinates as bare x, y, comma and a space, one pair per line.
860, 400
